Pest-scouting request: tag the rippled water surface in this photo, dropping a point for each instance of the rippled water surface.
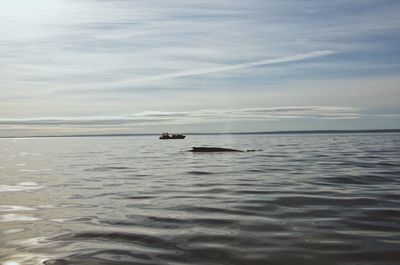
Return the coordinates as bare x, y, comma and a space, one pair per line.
302, 199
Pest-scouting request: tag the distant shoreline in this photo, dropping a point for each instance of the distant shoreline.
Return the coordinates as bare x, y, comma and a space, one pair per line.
231, 133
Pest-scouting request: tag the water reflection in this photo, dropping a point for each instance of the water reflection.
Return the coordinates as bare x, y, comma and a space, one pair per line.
307, 199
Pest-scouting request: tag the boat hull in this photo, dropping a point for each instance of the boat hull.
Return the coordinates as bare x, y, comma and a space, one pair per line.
172, 137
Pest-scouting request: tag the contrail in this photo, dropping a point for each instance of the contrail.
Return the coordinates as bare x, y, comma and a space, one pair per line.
205, 71
293, 58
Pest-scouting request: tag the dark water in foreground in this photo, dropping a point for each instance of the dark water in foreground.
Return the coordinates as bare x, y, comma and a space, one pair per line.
303, 199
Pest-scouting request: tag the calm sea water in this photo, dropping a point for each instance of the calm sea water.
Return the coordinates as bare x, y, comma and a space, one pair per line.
303, 199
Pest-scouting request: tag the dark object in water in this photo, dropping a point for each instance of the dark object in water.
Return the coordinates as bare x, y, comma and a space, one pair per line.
216, 149
56, 262
166, 136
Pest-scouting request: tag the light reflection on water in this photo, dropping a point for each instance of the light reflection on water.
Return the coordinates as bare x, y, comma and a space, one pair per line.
302, 199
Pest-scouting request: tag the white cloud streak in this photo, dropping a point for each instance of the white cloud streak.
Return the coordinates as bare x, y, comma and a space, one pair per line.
212, 70
205, 71
199, 116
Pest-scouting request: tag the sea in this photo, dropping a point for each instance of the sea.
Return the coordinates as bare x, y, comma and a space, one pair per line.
299, 199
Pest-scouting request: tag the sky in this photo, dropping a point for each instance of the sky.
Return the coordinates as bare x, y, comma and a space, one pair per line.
148, 66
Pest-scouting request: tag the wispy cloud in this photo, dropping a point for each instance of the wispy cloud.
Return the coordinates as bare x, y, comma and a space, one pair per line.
212, 70
203, 71
199, 116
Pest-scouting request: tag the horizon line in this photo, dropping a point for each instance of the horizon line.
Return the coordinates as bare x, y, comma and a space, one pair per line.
341, 131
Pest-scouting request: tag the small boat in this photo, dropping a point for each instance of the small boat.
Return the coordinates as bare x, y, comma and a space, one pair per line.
166, 136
